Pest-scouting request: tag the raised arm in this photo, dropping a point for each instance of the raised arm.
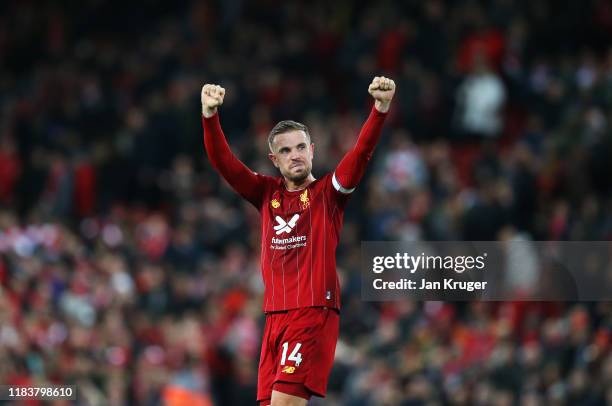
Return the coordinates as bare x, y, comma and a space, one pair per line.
351, 168
244, 181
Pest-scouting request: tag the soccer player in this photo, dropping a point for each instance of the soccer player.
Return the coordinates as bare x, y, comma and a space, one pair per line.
301, 221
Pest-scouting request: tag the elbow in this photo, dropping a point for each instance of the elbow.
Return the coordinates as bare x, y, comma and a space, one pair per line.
346, 183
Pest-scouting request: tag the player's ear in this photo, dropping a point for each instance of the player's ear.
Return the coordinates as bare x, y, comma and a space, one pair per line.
273, 159
311, 151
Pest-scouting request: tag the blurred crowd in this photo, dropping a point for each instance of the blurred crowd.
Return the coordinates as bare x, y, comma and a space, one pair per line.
130, 269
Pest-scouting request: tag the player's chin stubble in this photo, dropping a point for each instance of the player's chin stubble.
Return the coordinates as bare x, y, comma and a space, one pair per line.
297, 178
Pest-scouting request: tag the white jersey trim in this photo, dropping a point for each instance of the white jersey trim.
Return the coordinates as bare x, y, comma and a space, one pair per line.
339, 187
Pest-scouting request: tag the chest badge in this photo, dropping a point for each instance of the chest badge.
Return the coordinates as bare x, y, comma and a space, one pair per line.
304, 200
275, 203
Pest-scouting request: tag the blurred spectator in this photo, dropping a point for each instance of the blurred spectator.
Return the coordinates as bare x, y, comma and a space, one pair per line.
480, 99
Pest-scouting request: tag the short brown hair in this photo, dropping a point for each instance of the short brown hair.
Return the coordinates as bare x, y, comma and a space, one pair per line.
286, 126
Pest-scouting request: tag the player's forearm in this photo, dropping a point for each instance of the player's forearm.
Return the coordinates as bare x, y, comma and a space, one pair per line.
244, 181
219, 152
371, 131
352, 167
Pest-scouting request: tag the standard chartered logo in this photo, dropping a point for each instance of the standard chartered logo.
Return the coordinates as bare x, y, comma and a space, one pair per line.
283, 226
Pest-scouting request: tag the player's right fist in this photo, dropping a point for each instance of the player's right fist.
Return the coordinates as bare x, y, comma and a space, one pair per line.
212, 97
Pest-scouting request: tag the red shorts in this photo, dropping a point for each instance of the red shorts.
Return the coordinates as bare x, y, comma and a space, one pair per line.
298, 348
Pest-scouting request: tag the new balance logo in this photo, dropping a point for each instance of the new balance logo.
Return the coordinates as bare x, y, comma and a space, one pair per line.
288, 369
285, 226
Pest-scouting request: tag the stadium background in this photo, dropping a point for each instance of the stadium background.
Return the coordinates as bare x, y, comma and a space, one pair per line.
128, 268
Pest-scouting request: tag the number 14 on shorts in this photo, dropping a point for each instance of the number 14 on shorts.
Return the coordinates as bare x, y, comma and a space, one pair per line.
295, 356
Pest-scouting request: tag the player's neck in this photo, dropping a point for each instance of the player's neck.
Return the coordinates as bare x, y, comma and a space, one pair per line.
295, 186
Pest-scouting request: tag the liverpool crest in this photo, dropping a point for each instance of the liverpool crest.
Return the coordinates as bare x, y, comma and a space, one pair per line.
304, 199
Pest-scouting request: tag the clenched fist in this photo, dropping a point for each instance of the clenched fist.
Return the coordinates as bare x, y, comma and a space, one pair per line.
212, 97
382, 90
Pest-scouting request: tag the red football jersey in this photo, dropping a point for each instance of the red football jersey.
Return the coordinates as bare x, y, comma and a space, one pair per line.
300, 232
300, 229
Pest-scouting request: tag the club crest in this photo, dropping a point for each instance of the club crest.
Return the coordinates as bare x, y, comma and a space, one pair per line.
304, 200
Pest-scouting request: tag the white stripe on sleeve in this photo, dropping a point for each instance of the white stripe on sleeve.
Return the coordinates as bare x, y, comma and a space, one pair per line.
339, 187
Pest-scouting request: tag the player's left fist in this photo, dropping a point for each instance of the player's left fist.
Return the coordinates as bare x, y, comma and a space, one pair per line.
382, 90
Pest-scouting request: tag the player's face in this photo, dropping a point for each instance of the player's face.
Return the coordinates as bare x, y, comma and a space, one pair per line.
293, 155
